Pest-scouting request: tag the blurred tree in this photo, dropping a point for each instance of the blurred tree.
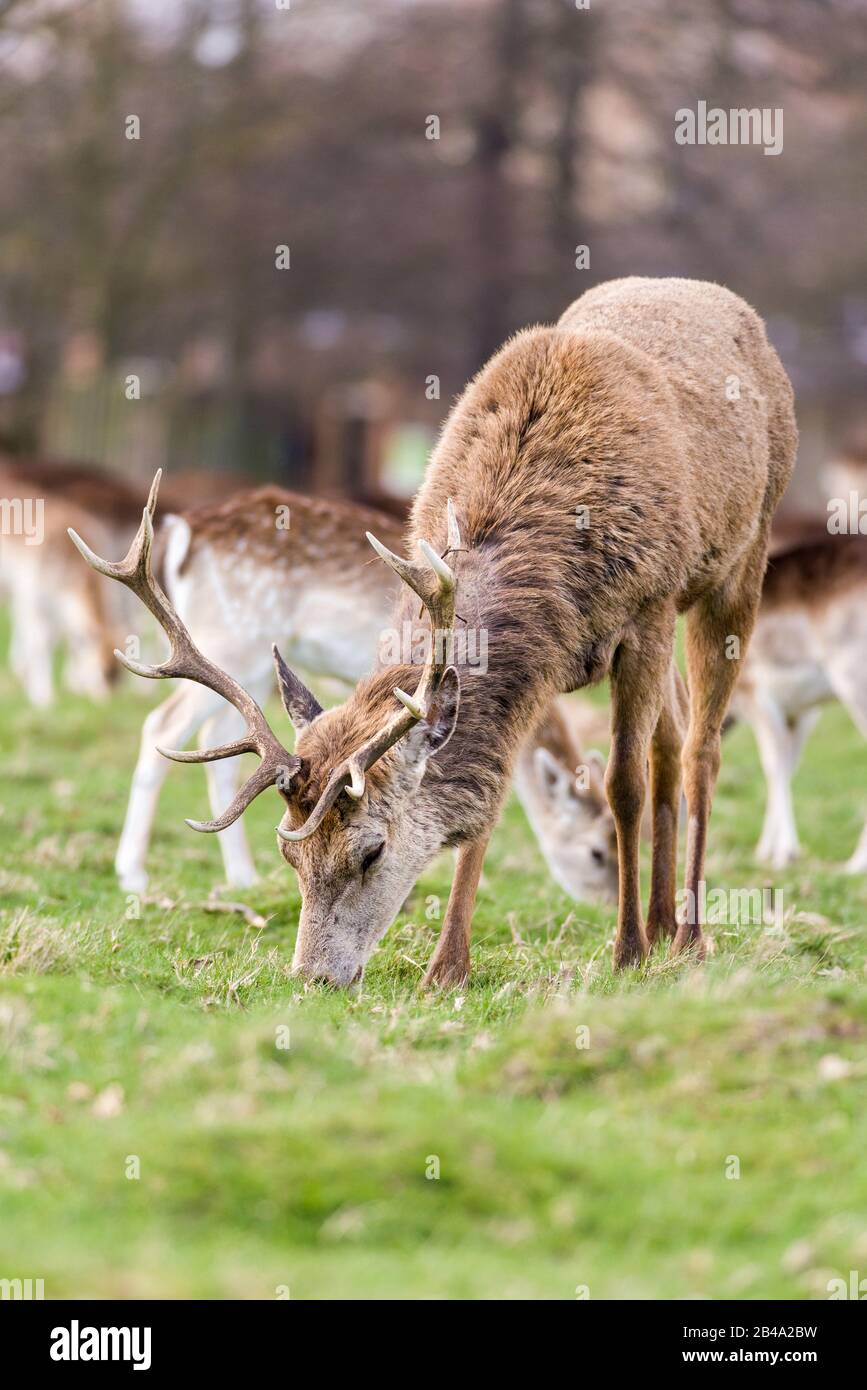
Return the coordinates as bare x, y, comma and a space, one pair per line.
410, 256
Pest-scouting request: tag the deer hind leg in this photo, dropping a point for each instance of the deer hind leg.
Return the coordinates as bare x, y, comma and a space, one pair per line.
780, 743
638, 678
225, 727
849, 681
84, 668
665, 782
450, 962
857, 864
718, 629
170, 725
32, 644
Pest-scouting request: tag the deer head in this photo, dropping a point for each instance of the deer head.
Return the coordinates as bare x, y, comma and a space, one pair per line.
572, 820
356, 827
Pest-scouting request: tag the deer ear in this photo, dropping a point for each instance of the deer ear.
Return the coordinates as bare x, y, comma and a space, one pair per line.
552, 774
596, 761
301, 706
288, 774
434, 732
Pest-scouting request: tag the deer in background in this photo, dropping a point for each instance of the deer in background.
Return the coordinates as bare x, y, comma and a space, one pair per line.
621, 410
562, 790
809, 647
264, 565
52, 601
239, 580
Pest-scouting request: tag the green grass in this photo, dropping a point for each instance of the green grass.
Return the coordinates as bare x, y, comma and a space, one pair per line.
263, 1167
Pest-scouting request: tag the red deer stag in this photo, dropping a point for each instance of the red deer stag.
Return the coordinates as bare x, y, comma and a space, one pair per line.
656, 416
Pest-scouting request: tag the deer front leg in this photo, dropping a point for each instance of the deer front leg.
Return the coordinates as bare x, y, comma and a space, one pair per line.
718, 629
450, 963
170, 725
665, 782
780, 746
638, 674
238, 864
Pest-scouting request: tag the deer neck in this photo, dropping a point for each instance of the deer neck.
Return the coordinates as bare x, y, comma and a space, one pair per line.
505, 686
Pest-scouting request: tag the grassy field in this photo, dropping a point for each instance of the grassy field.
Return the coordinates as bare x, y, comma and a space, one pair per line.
158, 1138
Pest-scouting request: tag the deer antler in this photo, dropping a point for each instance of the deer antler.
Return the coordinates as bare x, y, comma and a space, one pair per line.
435, 585
278, 766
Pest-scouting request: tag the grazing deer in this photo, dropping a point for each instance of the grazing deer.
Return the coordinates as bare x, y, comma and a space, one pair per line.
238, 580
265, 564
52, 601
625, 416
809, 646
562, 791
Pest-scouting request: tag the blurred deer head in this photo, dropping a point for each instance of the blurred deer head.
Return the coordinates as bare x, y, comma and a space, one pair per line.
572, 819
359, 825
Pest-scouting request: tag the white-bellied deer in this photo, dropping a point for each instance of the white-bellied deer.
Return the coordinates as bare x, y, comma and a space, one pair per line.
52, 601
269, 565
809, 647
264, 566
623, 416
562, 790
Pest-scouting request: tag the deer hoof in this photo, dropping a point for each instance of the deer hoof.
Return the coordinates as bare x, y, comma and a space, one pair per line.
132, 880
629, 952
242, 876
449, 972
658, 928
688, 943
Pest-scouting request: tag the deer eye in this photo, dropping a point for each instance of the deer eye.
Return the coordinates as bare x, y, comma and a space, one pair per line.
371, 857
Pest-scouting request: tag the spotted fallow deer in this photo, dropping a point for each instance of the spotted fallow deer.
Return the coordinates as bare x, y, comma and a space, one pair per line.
809, 647
268, 564
52, 600
264, 565
624, 415
562, 790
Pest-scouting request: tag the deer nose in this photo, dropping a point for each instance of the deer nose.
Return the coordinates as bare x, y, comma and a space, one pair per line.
321, 977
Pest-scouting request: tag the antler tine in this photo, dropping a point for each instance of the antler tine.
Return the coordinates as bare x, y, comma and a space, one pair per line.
454, 533
349, 776
418, 577
129, 567
444, 573
135, 572
209, 755
336, 784
355, 789
261, 779
185, 661
434, 583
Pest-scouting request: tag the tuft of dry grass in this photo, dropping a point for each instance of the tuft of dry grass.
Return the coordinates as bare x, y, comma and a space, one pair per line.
31, 944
